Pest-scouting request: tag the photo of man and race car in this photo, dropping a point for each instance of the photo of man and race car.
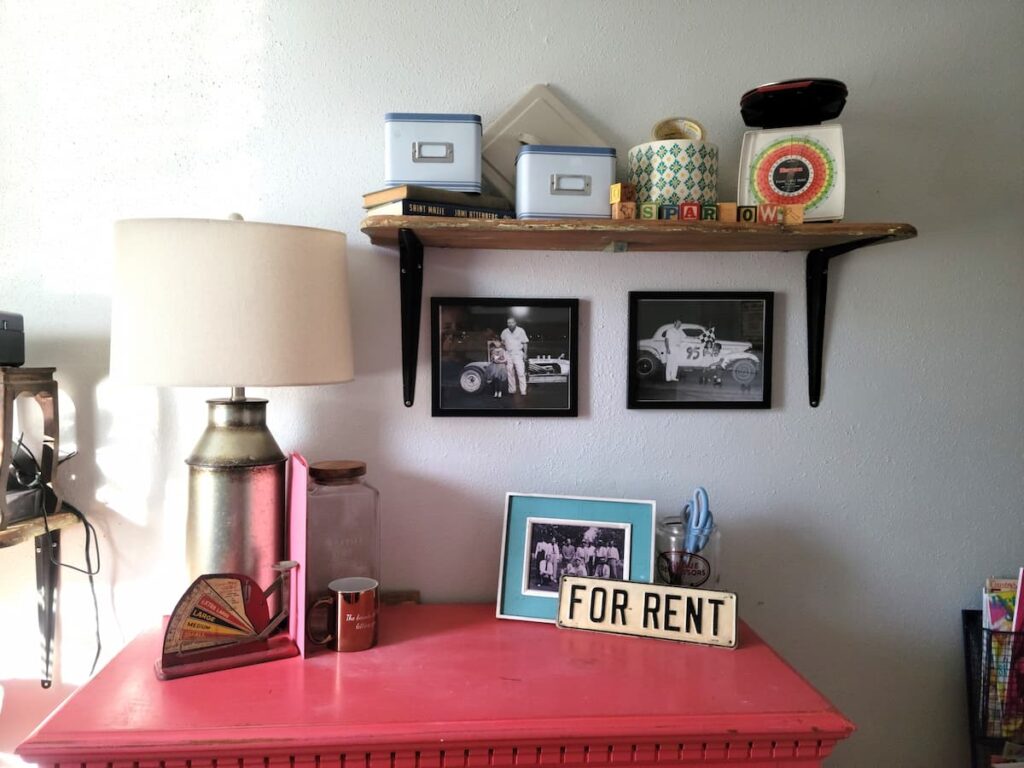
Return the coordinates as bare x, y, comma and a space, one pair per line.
504, 357
700, 350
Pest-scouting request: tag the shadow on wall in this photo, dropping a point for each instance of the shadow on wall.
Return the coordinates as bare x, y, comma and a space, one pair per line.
849, 654
121, 481
461, 540
426, 545
79, 364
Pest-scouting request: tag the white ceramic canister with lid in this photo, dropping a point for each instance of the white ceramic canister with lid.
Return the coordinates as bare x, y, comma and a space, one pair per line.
677, 166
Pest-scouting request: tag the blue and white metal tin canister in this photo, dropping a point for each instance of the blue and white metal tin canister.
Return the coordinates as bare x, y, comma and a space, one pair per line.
559, 182
432, 150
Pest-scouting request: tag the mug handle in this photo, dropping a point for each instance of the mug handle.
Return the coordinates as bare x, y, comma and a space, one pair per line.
328, 601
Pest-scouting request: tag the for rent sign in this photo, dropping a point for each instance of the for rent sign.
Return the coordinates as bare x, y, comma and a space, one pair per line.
648, 610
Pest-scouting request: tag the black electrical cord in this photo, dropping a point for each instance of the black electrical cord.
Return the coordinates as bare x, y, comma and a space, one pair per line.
29, 477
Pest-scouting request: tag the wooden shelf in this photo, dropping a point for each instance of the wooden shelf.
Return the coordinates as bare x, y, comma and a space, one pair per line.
632, 235
822, 242
16, 533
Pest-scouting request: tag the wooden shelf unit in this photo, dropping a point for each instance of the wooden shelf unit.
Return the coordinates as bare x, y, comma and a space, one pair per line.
822, 242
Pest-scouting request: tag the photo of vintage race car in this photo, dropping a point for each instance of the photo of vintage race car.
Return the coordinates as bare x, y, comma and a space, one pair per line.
540, 370
700, 352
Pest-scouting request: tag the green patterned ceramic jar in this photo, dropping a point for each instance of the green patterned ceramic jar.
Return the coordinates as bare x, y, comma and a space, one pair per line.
675, 170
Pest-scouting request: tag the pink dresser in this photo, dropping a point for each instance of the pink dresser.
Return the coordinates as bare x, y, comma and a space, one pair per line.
450, 686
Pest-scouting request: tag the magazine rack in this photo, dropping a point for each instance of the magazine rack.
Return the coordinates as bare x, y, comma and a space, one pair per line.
994, 664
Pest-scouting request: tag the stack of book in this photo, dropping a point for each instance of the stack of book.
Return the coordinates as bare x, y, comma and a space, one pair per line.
412, 200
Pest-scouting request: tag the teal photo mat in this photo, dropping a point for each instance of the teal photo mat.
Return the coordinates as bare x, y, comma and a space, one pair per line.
638, 514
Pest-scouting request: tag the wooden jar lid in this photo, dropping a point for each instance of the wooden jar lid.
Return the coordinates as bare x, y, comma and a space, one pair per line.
337, 470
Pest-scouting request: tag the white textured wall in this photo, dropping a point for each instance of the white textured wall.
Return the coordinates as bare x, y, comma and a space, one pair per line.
854, 533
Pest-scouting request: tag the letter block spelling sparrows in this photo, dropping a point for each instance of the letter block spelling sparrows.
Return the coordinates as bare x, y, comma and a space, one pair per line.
769, 213
793, 214
622, 193
623, 210
689, 211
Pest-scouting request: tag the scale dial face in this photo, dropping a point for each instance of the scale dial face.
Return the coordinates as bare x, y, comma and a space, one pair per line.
796, 169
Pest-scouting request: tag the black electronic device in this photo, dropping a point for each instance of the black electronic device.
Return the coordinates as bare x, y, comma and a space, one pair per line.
12, 340
809, 101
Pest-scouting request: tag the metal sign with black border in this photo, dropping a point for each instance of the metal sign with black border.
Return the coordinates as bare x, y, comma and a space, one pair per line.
698, 616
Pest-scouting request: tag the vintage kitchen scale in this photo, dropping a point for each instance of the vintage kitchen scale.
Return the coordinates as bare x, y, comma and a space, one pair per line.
223, 620
794, 158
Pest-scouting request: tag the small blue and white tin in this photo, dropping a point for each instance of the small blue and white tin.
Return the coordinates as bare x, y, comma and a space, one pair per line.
555, 182
432, 150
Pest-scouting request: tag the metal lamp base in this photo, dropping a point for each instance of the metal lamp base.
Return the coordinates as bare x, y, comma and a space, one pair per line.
236, 494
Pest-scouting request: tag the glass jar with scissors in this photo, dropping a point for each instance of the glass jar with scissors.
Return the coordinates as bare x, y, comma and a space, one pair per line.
688, 546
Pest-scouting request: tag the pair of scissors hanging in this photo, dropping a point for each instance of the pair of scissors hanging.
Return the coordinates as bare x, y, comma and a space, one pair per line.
699, 522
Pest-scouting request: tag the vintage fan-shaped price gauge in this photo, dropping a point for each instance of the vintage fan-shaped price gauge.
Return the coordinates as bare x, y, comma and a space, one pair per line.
222, 621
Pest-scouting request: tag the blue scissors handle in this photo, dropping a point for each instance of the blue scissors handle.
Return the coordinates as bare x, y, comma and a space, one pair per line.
699, 523
699, 510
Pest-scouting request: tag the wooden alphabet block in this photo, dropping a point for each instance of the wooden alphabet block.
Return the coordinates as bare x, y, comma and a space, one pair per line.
709, 213
622, 193
793, 214
769, 213
727, 212
668, 212
746, 213
648, 210
623, 210
689, 211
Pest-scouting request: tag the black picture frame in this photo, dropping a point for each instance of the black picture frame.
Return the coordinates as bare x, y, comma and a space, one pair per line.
731, 366
464, 333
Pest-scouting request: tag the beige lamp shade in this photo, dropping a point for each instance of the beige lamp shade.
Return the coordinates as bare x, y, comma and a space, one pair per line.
201, 302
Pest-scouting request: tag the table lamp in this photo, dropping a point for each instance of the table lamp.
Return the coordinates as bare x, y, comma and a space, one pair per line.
201, 302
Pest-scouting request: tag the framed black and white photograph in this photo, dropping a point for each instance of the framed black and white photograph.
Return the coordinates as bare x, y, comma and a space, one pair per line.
546, 538
557, 548
504, 357
700, 349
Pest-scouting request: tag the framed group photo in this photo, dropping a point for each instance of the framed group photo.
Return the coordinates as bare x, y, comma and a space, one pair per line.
700, 349
548, 537
504, 357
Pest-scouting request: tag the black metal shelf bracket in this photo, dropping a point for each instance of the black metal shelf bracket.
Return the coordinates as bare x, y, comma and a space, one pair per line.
817, 287
410, 278
47, 579
411, 285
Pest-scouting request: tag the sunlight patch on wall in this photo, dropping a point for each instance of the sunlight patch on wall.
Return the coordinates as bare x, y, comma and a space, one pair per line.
128, 448
20, 657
